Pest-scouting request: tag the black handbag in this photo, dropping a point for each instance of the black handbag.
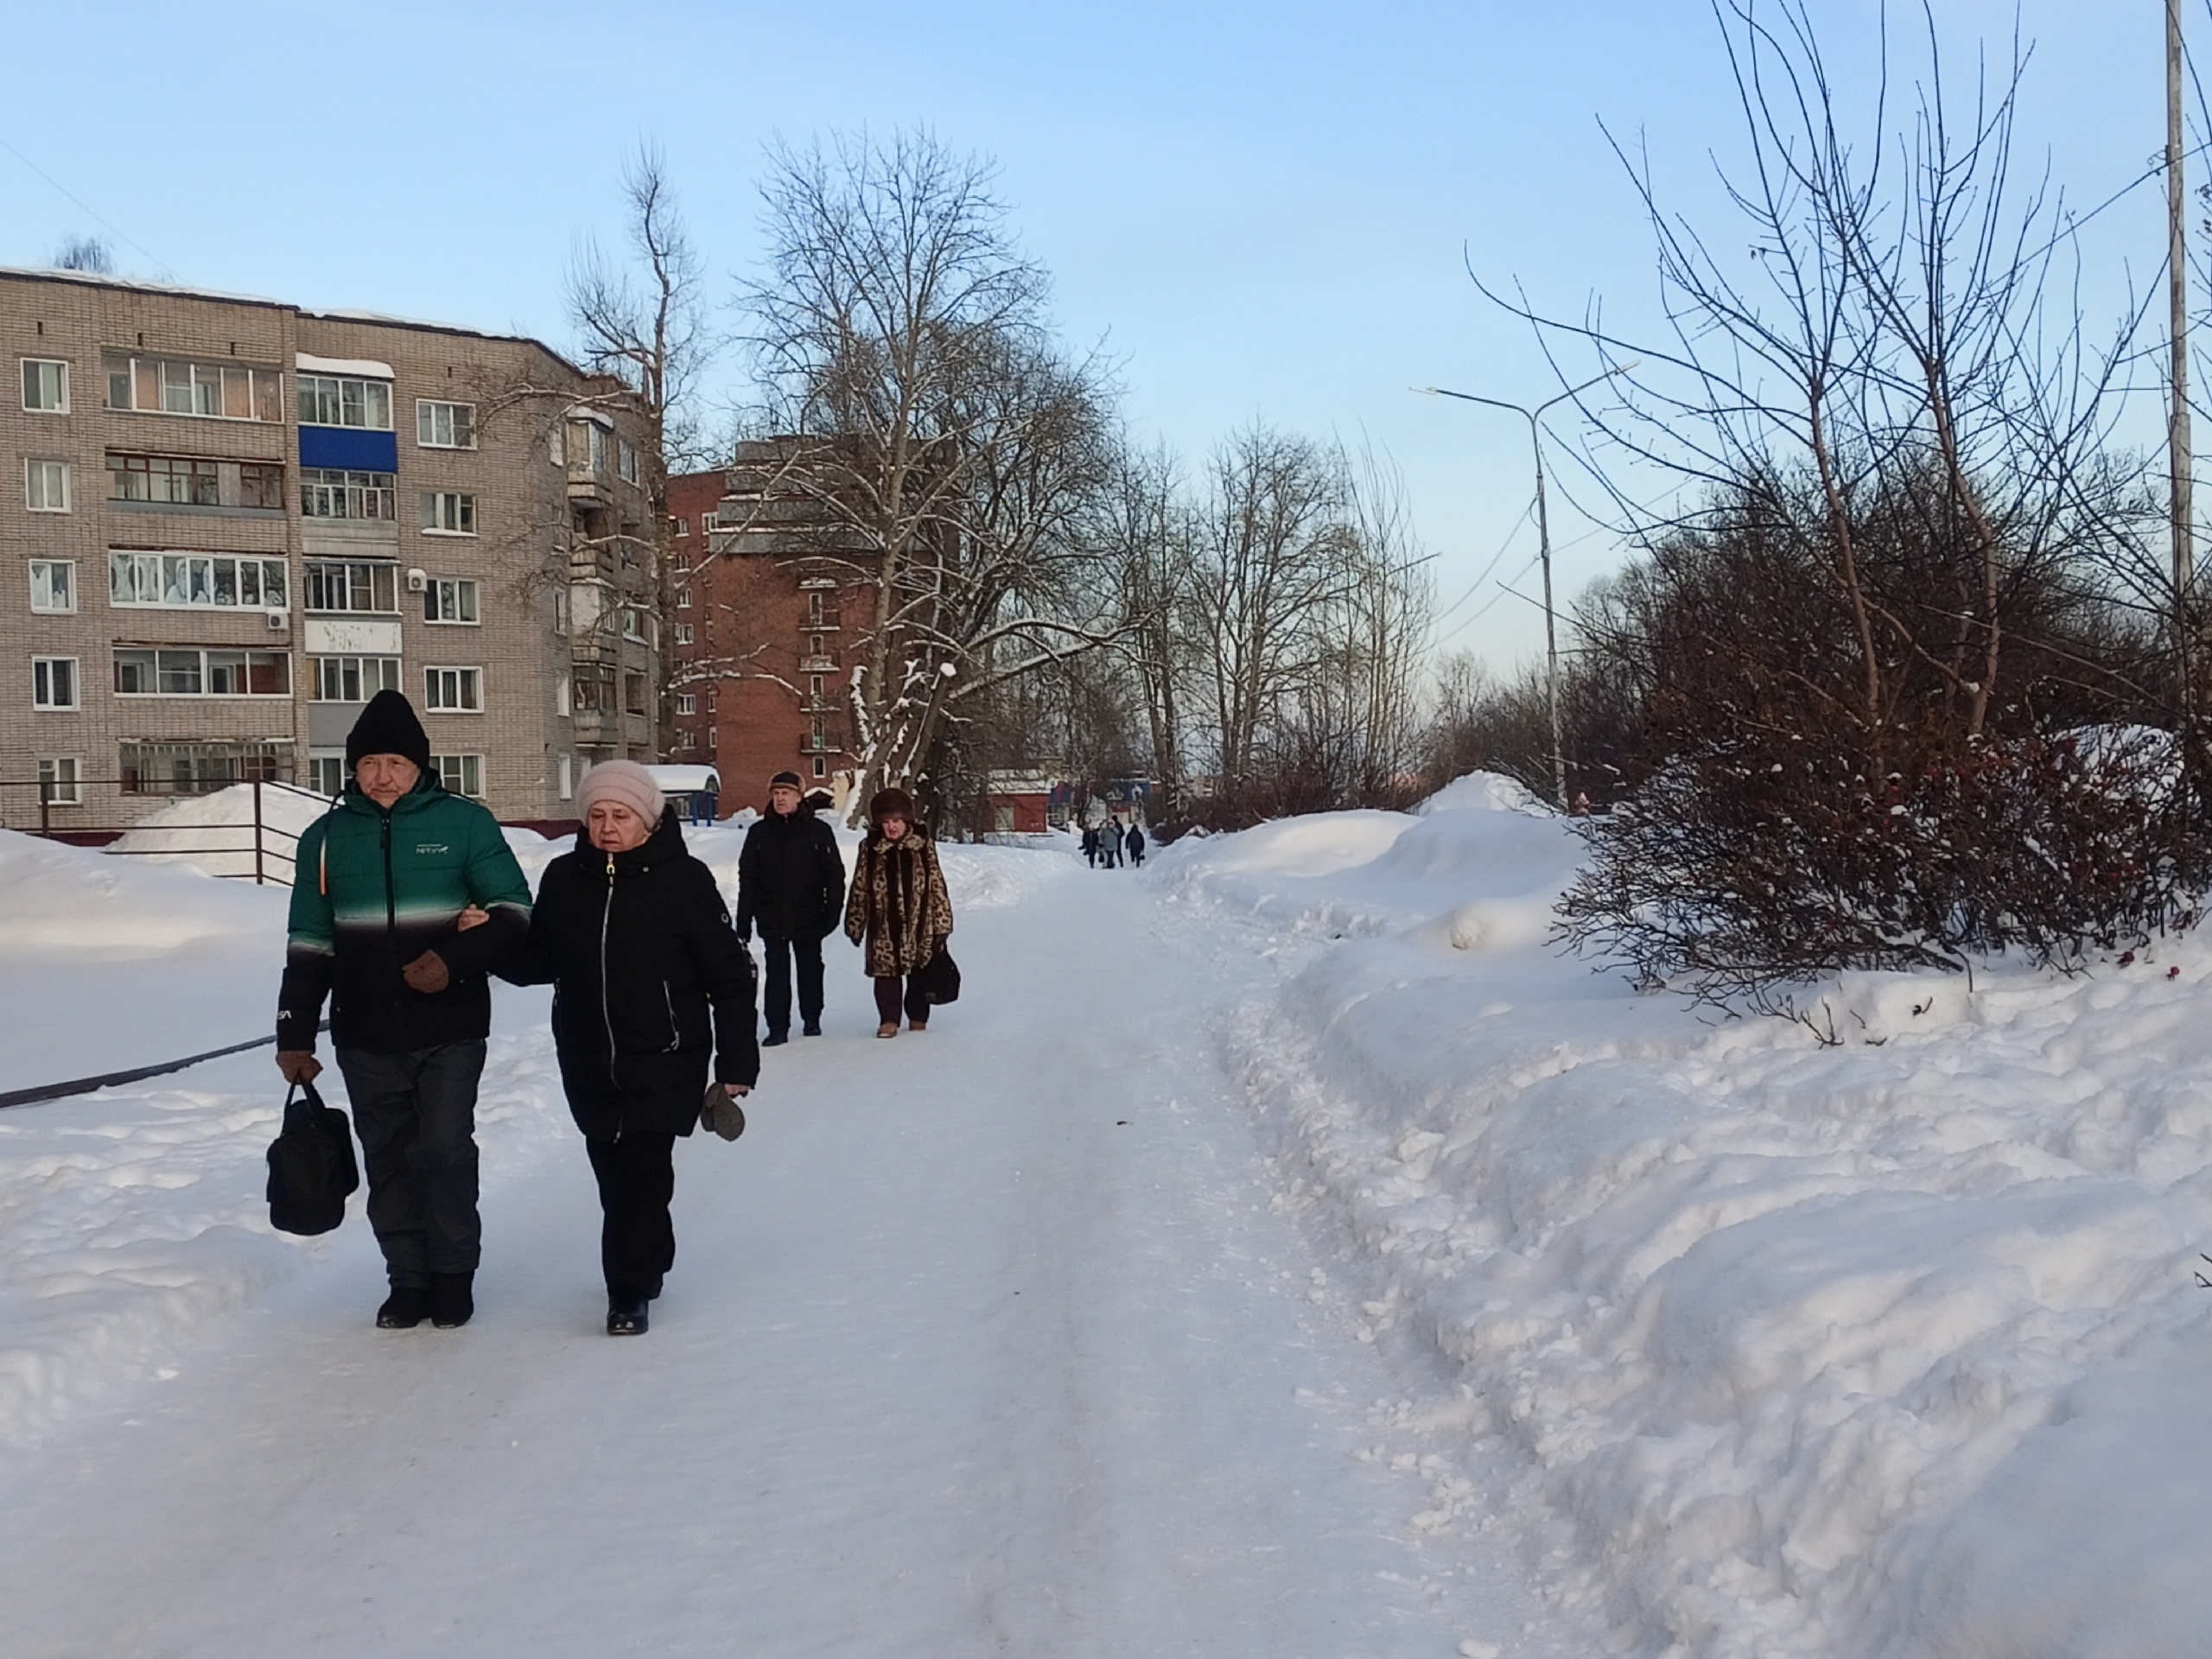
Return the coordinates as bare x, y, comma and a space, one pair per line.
940, 976
311, 1167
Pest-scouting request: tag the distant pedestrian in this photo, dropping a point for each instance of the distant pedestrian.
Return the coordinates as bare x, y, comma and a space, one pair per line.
1135, 844
791, 885
1091, 845
632, 931
385, 879
1109, 844
898, 909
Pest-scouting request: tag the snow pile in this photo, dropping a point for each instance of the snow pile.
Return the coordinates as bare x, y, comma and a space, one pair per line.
1887, 1346
215, 832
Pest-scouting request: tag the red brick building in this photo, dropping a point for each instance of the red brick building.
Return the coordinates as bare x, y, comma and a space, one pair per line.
758, 659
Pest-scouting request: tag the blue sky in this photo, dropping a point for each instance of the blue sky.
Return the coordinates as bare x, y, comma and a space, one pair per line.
1261, 210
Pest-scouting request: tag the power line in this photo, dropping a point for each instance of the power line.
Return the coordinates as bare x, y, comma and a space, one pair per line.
160, 263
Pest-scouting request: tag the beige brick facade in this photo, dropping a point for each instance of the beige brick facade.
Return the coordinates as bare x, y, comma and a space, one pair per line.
181, 435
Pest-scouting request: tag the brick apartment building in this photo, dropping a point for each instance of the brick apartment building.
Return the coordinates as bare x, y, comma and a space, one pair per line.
759, 659
230, 521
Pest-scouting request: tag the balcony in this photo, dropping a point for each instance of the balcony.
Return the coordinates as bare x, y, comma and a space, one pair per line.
589, 488
818, 664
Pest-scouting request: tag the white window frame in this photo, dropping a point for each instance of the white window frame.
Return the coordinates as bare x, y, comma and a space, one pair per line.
62, 386
161, 559
42, 685
687, 702
438, 589
568, 778
467, 774
39, 476
457, 415
684, 633
68, 606
311, 385
448, 512
334, 761
470, 682
67, 790
386, 673
627, 461
126, 365
633, 624
379, 573
203, 652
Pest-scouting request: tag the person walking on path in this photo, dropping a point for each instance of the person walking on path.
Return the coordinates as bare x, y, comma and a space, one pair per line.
898, 909
383, 880
1091, 845
1109, 844
791, 885
1136, 848
632, 933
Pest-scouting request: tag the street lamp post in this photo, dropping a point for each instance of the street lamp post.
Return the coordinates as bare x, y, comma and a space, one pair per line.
1544, 549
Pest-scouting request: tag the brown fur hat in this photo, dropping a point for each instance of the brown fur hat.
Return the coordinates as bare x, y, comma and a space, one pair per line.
891, 803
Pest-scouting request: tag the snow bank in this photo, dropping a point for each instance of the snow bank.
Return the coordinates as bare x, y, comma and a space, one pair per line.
1887, 1347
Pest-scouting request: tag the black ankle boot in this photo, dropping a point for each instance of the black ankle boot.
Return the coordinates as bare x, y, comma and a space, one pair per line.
406, 1307
626, 1312
453, 1300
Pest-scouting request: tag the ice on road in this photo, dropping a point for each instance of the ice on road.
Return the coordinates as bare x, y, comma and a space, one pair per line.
983, 1341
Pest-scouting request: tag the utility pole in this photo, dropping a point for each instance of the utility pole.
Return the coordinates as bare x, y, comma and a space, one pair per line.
2177, 446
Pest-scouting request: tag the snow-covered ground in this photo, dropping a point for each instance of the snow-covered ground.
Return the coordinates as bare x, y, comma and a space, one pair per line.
1279, 1251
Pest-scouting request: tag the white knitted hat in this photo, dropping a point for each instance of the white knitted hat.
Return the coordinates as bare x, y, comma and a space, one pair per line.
623, 781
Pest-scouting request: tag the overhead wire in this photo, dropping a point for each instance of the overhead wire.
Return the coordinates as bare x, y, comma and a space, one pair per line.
160, 265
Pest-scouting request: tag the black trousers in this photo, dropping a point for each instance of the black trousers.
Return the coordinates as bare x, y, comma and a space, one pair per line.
776, 991
888, 999
415, 1114
637, 1181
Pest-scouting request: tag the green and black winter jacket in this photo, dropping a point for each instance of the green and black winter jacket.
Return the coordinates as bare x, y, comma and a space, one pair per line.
373, 890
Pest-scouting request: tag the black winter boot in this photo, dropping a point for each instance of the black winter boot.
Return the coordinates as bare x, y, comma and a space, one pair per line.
406, 1307
453, 1300
626, 1312
812, 1028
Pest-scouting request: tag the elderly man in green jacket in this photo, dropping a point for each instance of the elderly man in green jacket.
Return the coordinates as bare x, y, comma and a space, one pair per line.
382, 879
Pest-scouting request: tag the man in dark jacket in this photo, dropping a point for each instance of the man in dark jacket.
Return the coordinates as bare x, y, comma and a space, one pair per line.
381, 881
791, 885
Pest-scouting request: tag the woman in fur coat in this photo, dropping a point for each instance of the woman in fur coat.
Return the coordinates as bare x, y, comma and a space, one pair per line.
897, 909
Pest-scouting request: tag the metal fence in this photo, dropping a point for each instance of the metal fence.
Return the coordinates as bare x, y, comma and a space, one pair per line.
272, 848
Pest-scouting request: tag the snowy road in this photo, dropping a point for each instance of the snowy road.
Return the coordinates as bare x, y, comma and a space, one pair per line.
980, 1342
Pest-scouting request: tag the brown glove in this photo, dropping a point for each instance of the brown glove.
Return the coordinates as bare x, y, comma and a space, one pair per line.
427, 973
298, 1065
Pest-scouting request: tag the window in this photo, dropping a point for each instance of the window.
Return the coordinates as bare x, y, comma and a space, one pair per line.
325, 492
53, 682
587, 446
46, 485
814, 684
45, 385
463, 774
628, 462
594, 688
684, 633
453, 690
328, 400
683, 528
352, 679
60, 780
191, 673
447, 512
194, 582
633, 693
814, 610
230, 391
814, 645
327, 773
683, 599
686, 703
444, 426
200, 768
448, 599
568, 778
53, 586
821, 767
632, 625
687, 739
189, 481
352, 585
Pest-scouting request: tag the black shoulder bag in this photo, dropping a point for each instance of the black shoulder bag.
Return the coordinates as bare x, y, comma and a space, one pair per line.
311, 1167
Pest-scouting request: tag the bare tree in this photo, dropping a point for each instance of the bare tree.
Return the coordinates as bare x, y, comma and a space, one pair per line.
1145, 536
86, 253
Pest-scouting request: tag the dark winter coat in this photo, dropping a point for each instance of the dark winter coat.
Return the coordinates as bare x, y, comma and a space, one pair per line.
374, 889
1135, 842
898, 904
791, 878
639, 948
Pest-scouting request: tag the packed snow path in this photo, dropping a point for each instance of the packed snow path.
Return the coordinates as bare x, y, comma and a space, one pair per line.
983, 1341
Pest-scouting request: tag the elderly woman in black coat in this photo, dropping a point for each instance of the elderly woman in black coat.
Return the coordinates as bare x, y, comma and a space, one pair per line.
632, 933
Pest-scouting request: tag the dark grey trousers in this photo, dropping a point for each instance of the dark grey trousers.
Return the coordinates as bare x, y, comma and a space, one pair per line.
415, 1114
776, 990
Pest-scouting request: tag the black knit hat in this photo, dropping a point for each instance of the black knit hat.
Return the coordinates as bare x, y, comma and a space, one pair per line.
388, 726
783, 779
890, 803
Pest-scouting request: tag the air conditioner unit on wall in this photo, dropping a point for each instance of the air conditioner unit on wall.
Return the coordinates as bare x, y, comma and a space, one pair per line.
417, 580
278, 622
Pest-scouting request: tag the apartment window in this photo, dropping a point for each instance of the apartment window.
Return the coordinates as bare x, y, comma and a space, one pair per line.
327, 492
462, 774
179, 480
686, 741
633, 625
628, 453
711, 699
194, 582
814, 684
683, 599
327, 773
814, 645
448, 512
45, 385
814, 610
352, 679
714, 739
687, 702
357, 585
683, 527
200, 768
594, 688
633, 693
453, 690
53, 586
821, 767
684, 633
53, 682
46, 485
587, 446
331, 400
191, 673
444, 426
60, 780
229, 392
568, 778
447, 599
